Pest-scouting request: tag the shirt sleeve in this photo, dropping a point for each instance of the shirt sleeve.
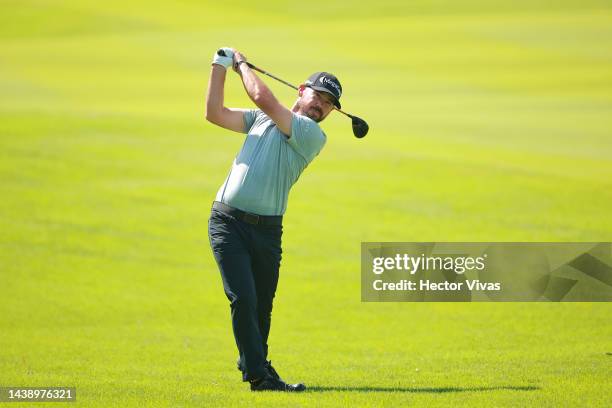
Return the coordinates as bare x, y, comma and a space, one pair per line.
249, 118
307, 138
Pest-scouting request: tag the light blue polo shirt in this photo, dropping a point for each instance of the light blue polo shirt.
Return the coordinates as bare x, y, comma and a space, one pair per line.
269, 163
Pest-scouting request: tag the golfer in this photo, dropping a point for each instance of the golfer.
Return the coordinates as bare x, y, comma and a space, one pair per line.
245, 225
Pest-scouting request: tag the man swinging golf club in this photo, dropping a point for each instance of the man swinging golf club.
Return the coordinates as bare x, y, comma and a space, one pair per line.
245, 226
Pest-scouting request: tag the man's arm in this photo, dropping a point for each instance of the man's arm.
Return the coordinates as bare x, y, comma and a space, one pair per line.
216, 112
261, 95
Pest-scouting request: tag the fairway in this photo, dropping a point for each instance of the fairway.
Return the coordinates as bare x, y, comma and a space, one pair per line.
488, 122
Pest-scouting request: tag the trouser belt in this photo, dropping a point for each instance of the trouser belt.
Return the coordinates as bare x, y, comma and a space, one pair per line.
249, 218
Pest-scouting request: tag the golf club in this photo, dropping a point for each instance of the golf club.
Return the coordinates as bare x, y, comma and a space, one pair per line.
360, 127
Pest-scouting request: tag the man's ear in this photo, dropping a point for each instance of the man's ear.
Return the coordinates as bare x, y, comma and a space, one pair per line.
301, 89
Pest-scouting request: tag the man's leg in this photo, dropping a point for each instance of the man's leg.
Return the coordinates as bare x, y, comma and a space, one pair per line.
266, 264
228, 239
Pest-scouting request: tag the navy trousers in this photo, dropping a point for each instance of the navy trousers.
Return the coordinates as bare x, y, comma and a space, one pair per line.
249, 259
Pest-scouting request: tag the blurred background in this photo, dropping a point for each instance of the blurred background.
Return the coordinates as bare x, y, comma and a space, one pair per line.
489, 121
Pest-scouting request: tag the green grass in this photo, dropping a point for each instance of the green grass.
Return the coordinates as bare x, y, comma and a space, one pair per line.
489, 122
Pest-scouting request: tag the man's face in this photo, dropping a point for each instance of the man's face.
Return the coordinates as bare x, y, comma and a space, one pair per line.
315, 104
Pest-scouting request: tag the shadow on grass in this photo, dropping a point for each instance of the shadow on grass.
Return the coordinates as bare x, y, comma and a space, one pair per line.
433, 390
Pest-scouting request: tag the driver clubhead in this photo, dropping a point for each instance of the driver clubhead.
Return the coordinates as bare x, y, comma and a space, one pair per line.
360, 127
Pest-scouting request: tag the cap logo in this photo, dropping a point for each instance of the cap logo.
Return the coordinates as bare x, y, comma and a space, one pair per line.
326, 81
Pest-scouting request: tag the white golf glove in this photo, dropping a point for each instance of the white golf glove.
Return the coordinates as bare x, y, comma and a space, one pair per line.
224, 60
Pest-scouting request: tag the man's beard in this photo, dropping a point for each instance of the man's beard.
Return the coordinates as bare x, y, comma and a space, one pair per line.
315, 114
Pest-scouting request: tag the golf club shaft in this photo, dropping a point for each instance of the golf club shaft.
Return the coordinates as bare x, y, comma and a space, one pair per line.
270, 75
284, 82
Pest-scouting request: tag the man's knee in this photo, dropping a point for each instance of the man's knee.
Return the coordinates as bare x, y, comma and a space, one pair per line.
243, 302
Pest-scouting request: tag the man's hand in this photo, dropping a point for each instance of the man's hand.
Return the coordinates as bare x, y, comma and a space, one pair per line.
224, 60
237, 58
